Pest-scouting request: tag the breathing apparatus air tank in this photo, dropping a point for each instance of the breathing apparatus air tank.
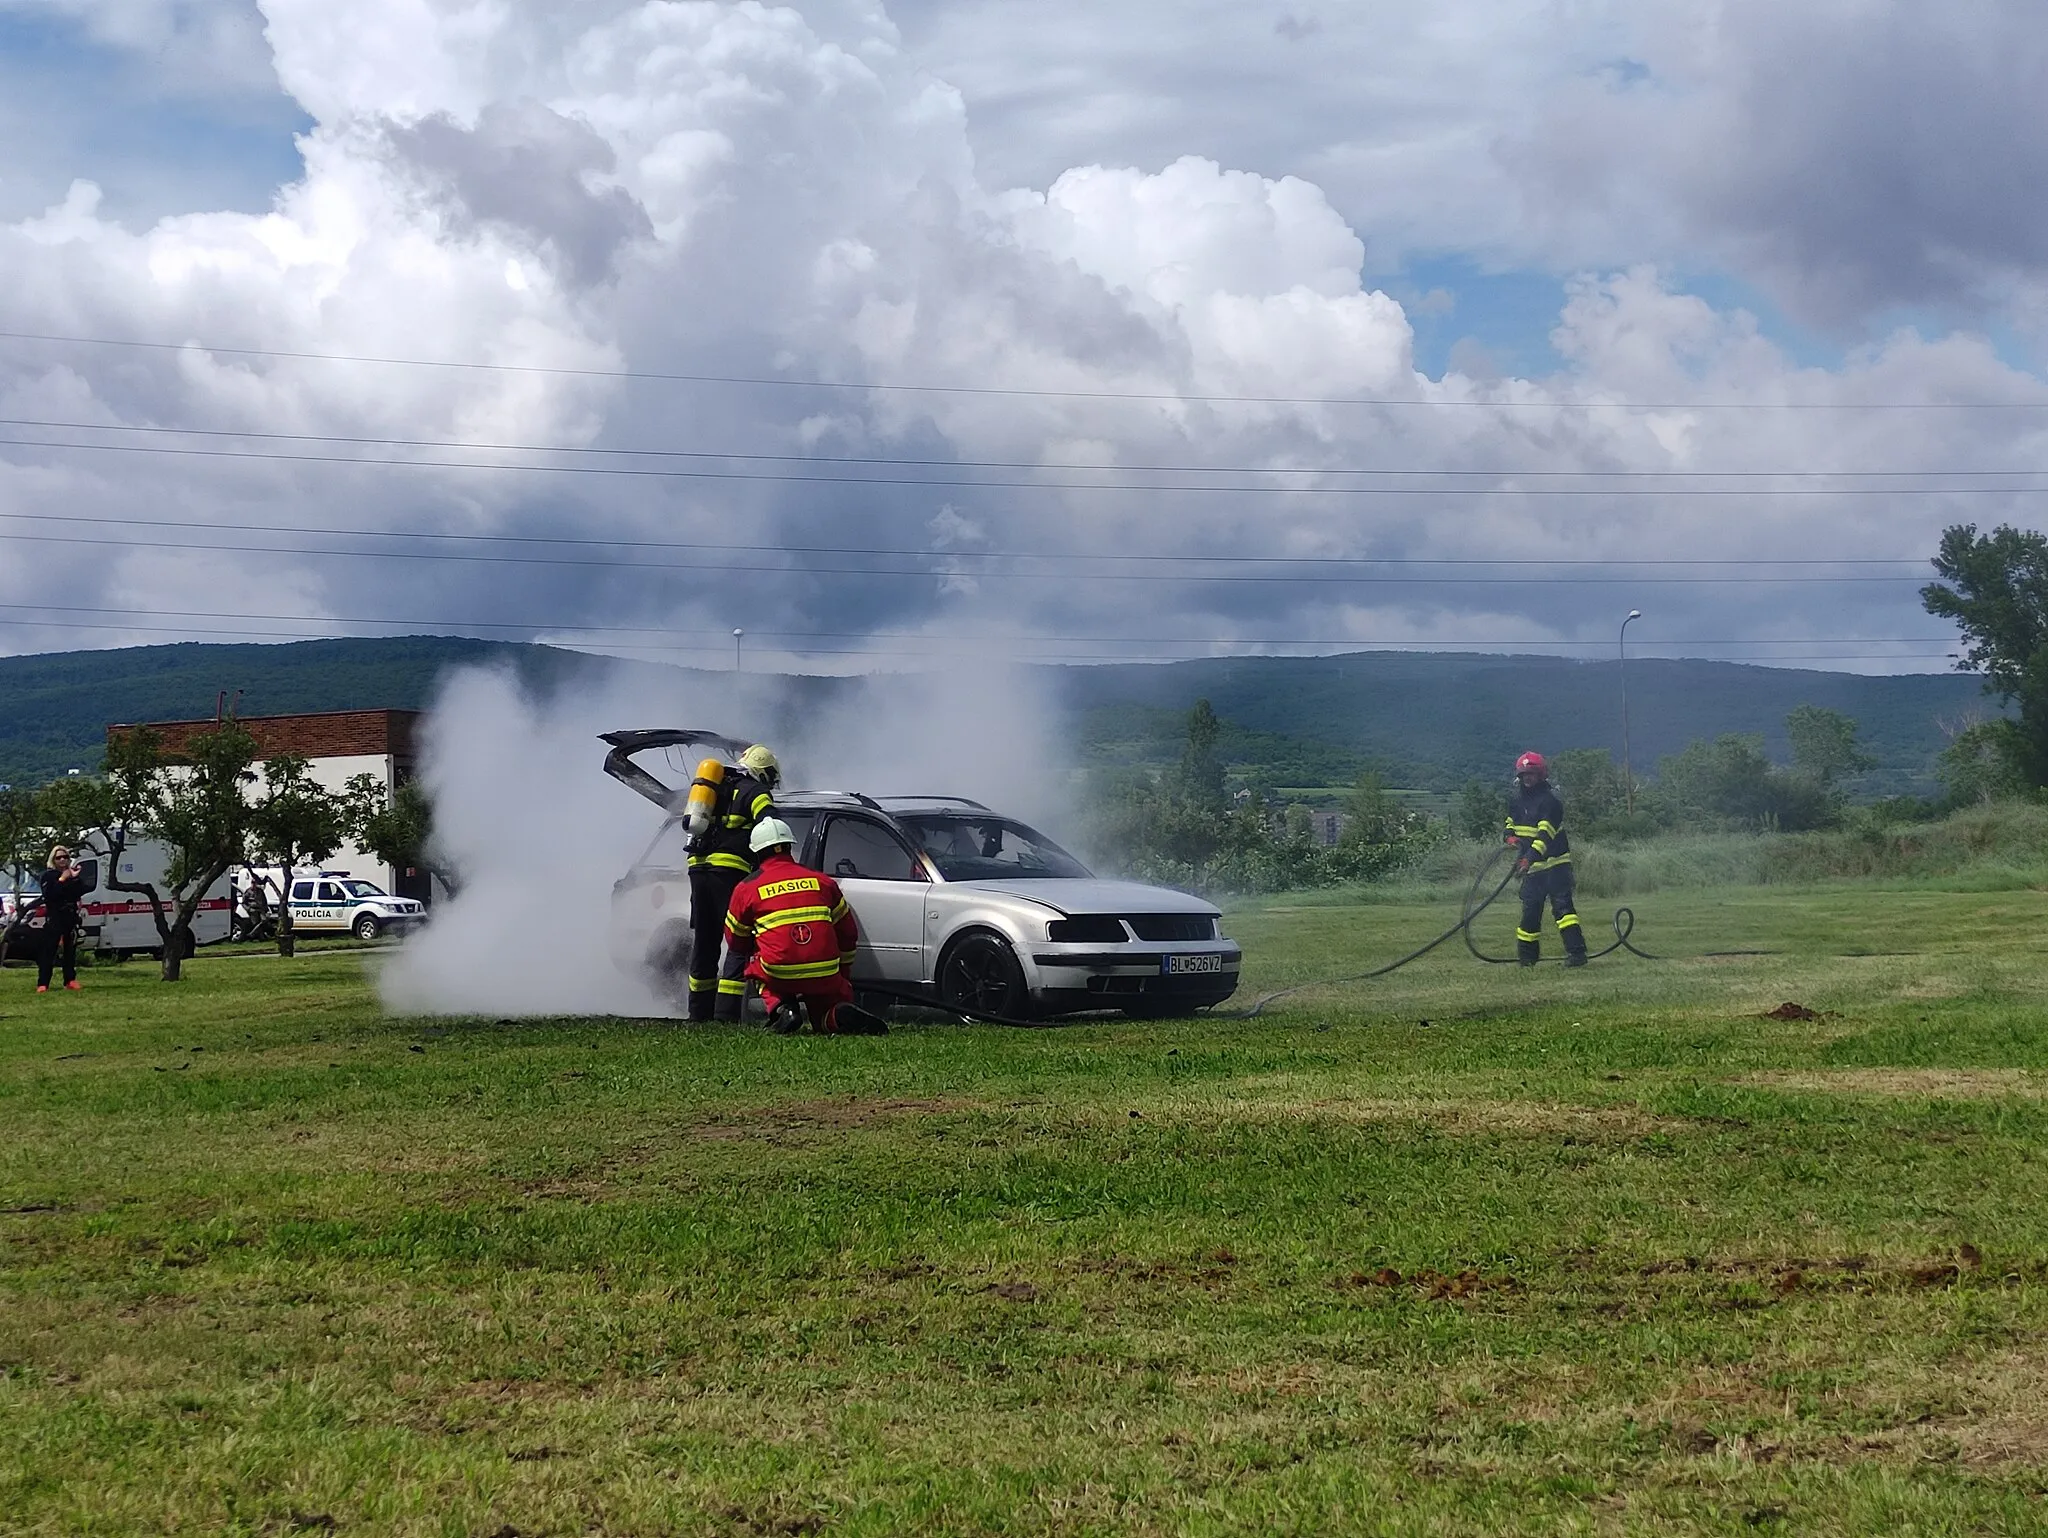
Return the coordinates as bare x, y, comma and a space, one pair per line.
702, 802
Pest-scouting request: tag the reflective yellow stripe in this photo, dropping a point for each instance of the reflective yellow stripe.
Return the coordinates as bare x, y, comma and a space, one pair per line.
1546, 826
702, 985
1542, 865
840, 910
738, 862
738, 927
732, 985
1568, 921
800, 969
1522, 830
1526, 937
790, 916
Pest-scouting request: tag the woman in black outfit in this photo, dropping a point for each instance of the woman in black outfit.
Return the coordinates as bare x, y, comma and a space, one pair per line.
61, 891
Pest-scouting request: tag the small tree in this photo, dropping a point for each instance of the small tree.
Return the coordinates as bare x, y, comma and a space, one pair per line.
197, 808
1590, 782
22, 831
1824, 746
1481, 811
1995, 589
296, 819
397, 827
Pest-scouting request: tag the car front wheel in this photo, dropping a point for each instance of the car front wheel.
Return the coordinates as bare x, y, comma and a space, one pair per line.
979, 975
366, 927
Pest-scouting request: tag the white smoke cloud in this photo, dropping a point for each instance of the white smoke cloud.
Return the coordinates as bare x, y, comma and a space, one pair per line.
538, 833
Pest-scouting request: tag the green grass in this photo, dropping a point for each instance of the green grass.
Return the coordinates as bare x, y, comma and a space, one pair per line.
1463, 1250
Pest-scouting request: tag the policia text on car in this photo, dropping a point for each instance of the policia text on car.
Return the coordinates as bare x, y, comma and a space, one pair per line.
723, 808
1544, 862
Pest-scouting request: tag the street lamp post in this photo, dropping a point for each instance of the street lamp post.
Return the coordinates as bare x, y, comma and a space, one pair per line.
1628, 780
736, 634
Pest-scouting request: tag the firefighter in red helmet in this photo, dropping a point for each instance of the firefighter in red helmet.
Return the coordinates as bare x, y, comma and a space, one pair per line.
1544, 862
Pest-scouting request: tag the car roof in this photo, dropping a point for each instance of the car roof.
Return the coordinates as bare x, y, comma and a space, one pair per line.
824, 800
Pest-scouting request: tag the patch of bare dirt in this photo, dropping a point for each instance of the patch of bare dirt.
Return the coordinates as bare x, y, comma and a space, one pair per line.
1790, 1011
1211, 1269
1433, 1284
1932, 1083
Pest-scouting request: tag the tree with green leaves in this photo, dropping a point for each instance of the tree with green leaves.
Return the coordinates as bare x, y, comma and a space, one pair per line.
296, 820
196, 806
397, 827
23, 834
1480, 811
1994, 588
1824, 746
1590, 782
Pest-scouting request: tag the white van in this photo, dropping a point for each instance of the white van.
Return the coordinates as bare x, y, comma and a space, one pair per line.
120, 923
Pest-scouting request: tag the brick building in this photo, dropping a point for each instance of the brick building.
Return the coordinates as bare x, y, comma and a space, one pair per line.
338, 745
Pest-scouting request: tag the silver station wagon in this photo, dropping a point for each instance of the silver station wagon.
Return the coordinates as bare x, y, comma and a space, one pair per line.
957, 904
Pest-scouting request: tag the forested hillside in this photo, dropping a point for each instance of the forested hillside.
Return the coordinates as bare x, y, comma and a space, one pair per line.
1425, 719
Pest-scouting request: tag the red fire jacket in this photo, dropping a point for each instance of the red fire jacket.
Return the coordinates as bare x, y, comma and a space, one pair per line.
792, 924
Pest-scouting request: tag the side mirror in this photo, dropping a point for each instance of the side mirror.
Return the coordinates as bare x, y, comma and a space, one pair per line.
845, 868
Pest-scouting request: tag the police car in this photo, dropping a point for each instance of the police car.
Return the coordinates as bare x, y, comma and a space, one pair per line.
334, 902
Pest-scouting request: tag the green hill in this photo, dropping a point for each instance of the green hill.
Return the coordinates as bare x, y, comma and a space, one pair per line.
1431, 719
1423, 718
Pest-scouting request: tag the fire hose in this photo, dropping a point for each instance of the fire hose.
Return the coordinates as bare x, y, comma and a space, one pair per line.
1474, 905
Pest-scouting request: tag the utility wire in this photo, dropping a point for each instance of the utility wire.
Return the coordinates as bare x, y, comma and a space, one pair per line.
983, 464
955, 637
715, 648
938, 553
642, 472
1176, 397
928, 572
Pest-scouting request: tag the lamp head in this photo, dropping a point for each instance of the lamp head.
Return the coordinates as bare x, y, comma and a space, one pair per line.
1634, 614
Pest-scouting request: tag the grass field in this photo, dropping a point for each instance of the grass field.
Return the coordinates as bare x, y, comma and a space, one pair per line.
1464, 1250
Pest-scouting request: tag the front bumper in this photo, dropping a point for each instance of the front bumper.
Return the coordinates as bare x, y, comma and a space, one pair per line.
1070, 978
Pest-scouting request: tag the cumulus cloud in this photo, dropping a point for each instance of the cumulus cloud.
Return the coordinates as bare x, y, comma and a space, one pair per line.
636, 212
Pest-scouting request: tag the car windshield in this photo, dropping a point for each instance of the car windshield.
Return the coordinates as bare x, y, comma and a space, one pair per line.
363, 889
983, 848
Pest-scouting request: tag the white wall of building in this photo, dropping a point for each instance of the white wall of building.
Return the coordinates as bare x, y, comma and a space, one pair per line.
334, 774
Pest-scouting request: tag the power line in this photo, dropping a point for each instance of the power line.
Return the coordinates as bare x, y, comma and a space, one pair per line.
1317, 578
530, 625
1176, 397
589, 541
642, 472
1460, 473
717, 648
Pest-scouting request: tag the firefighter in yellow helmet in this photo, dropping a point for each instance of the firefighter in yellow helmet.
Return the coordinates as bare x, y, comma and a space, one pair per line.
719, 861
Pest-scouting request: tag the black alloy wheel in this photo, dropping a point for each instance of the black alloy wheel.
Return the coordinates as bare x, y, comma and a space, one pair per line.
980, 974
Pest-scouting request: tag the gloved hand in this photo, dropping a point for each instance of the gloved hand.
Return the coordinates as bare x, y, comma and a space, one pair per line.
1522, 866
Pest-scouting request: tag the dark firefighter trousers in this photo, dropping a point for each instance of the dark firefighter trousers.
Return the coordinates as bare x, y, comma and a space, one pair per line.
715, 993
1553, 886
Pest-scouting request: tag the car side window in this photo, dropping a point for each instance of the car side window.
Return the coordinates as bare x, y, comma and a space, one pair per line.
855, 846
302, 891
330, 893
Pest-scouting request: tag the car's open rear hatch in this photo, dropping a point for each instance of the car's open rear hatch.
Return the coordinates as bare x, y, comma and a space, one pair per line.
629, 744
620, 765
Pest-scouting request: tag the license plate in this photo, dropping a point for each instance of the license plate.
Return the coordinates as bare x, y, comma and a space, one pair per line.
1176, 966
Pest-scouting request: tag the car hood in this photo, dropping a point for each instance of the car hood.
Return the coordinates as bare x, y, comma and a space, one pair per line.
1093, 896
